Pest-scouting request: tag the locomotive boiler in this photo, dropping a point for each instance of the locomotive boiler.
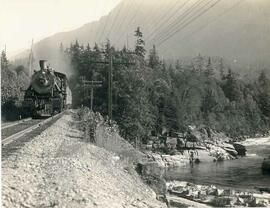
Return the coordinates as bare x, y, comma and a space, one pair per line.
48, 92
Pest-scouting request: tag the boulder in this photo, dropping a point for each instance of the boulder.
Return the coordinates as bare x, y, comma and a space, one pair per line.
175, 160
262, 203
230, 149
219, 153
221, 201
172, 141
239, 201
263, 189
219, 192
266, 164
241, 149
154, 167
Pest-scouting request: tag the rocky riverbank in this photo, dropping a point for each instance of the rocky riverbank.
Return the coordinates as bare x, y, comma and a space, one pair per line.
199, 144
213, 196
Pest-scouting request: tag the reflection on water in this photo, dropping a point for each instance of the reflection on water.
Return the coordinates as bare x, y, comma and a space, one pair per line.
243, 173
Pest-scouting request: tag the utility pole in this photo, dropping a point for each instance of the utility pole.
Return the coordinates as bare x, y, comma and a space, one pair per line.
89, 85
111, 63
127, 42
30, 58
110, 86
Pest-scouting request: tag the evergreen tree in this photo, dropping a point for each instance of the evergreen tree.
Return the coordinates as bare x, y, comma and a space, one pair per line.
178, 66
139, 46
264, 94
221, 68
209, 71
61, 47
199, 63
231, 87
153, 58
4, 61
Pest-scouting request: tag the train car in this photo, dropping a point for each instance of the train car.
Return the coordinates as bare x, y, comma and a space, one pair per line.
48, 92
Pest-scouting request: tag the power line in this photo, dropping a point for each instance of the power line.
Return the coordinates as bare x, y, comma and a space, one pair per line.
136, 13
138, 10
105, 26
165, 20
189, 22
151, 16
92, 29
183, 17
115, 18
124, 20
132, 20
212, 21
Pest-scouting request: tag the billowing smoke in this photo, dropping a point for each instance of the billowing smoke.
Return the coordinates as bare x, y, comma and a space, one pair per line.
58, 61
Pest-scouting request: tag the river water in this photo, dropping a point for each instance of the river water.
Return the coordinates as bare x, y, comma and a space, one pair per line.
243, 173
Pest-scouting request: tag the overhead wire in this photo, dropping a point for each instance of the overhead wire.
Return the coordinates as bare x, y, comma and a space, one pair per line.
151, 17
189, 22
182, 18
132, 20
95, 32
115, 18
124, 20
212, 21
105, 26
166, 20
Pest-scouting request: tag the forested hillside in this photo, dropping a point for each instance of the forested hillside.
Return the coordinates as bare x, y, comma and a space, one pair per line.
152, 97
14, 81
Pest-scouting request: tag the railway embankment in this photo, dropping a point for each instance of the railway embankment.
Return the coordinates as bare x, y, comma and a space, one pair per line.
60, 168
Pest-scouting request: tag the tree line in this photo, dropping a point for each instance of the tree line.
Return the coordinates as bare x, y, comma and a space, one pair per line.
153, 97
14, 81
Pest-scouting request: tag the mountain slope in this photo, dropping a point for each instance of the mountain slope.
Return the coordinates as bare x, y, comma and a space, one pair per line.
237, 31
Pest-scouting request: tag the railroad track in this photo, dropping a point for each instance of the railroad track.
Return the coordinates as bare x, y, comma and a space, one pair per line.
7, 125
14, 131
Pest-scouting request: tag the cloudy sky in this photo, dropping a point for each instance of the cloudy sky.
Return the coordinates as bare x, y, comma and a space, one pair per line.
22, 20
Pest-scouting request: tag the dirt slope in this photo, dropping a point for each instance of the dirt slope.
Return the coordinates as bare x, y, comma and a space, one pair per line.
59, 169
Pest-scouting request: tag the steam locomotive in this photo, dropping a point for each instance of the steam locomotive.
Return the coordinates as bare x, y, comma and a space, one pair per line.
48, 93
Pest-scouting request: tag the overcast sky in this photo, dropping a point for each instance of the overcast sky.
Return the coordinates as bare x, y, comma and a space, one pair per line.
22, 20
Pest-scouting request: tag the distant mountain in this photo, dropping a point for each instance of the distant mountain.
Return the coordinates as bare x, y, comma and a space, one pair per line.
236, 30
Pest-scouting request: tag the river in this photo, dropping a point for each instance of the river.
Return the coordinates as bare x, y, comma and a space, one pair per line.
243, 174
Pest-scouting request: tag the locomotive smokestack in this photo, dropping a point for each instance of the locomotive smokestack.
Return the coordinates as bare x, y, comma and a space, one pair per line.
42, 64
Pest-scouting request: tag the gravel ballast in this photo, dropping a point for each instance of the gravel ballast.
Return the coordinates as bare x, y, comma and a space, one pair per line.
59, 169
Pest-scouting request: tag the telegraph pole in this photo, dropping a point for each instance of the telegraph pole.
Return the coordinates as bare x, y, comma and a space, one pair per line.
90, 84
30, 58
111, 63
110, 86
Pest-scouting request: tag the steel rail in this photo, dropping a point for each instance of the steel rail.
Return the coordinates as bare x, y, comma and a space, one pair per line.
15, 123
27, 130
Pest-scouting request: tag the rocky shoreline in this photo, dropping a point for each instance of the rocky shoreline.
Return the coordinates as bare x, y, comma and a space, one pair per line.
214, 196
181, 194
156, 157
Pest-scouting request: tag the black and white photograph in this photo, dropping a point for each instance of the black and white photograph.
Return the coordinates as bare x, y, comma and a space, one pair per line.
135, 103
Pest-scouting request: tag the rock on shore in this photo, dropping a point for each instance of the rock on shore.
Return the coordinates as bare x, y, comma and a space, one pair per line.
217, 197
199, 144
266, 164
59, 169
